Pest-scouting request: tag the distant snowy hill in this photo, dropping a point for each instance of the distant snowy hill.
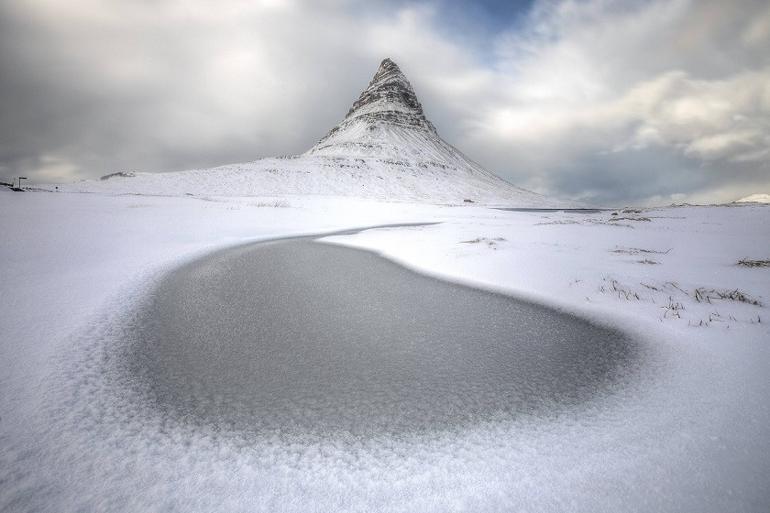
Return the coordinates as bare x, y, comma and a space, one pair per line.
755, 198
385, 148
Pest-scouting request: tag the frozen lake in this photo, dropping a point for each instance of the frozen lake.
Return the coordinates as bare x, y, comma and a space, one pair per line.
306, 339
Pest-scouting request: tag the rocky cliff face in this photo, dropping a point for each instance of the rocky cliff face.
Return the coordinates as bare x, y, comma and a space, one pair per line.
389, 101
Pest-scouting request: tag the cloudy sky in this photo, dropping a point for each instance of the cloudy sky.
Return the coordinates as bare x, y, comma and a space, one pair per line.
607, 102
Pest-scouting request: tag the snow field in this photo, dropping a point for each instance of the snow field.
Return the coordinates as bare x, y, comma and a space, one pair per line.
689, 432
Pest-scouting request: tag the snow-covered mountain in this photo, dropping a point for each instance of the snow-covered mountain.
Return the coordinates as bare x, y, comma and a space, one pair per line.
385, 148
387, 123
755, 198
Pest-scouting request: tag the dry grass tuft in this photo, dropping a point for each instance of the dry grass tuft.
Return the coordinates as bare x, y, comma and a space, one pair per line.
745, 262
703, 295
491, 243
271, 204
621, 291
672, 309
637, 251
645, 219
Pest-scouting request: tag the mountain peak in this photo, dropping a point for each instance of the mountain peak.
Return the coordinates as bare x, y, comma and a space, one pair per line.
388, 91
388, 70
388, 102
387, 65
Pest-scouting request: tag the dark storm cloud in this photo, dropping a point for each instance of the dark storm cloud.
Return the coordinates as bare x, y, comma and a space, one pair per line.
611, 102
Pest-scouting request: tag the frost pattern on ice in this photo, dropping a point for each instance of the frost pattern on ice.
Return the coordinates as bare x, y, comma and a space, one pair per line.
300, 339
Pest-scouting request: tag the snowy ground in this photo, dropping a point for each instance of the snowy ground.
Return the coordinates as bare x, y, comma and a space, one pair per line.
678, 266
692, 433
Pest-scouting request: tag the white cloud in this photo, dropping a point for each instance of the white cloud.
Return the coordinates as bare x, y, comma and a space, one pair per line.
581, 99
599, 78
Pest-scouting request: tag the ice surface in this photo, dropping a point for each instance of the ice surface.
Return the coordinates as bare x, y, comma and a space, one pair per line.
294, 338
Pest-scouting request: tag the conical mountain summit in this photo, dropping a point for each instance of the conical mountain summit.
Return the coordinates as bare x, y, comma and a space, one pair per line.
389, 100
387, 124
384, 148
387, 121
390, 91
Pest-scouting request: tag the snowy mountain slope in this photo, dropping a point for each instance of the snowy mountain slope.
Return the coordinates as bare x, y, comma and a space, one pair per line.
755, 198
385, 148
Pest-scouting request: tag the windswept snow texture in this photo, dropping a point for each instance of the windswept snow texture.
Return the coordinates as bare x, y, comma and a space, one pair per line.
385, 148
295, 338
